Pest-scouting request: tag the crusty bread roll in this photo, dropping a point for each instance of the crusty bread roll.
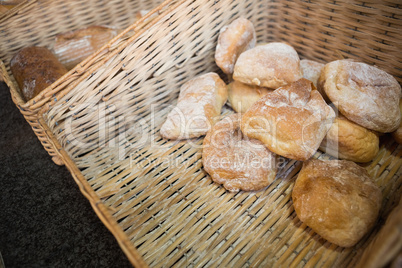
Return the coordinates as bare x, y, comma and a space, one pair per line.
233, 39
34, 69
272, 65
364, 94
337, 199
349, 141
291, 121
199, 104
75, 46
397, 134
235, 161
311, 70
242, 96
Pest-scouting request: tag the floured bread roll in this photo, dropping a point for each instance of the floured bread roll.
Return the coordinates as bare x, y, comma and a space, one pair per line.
364, 94
349, 141
311, 70
235, 161
291, 121
232, 41
200, 102
75, 46
272, 65
337, 199
242, 96
397, 134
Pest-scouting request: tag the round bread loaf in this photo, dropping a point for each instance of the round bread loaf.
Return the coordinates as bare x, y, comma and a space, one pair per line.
349, 141
337, 199
34, 69
233, 39
235, 161
272, 65
311, 70
397, 134
242, 96
291, 121
364, 94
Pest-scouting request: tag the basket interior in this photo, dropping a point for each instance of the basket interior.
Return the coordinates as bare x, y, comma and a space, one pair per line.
157, 191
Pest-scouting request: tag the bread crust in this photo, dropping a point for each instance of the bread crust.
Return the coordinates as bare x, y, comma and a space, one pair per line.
235, 161
198, 107
73, 47
272, 65
34, 69
291, 121
364, 94
349, 141
311, 70
242, 96
234, 39
337, 199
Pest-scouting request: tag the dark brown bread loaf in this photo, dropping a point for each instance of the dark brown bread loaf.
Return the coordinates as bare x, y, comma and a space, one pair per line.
34, 69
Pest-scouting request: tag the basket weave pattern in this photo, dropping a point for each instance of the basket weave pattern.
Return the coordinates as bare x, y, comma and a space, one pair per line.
153, 194
37, 23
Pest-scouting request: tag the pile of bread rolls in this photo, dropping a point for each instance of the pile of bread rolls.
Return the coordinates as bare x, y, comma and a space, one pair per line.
35, 68
289, 107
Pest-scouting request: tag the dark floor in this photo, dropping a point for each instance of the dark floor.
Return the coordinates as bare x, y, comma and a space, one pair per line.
45, 221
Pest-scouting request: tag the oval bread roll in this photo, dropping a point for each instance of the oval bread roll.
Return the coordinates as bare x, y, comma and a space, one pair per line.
200, 103
311, 70
364, 94
235, 161
349, 141
291, 121
75, 46
242, 96
337, 199
34, 69
232, 41
272, 65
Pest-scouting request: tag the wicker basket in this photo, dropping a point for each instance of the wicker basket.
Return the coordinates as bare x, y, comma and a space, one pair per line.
37, 22
153, 194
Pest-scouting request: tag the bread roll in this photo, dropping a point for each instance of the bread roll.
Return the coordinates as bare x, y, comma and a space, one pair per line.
75, 46
364, 94
198, 107
311, 70
272, 65
233, 39
291, 121
242, 96
349, 141
397, 134
235, 161
34, 69
337, 199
